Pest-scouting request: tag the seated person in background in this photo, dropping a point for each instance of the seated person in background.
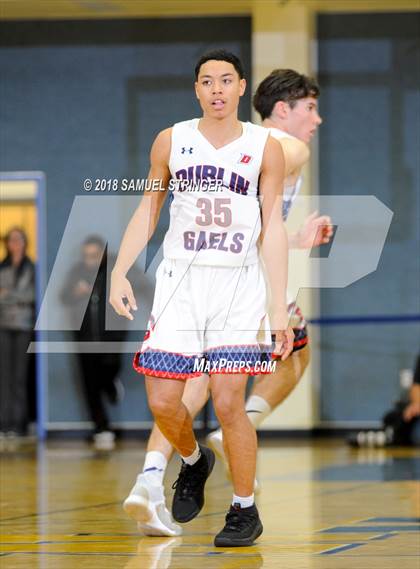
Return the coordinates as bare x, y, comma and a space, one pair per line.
412, 410
401, 424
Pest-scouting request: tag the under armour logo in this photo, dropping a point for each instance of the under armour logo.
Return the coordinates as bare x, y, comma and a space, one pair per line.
184, 150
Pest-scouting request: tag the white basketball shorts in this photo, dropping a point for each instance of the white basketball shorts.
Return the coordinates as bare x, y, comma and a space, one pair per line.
206, 319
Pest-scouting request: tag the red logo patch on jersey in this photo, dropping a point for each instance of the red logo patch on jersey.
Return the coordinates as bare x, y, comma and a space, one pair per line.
245, 159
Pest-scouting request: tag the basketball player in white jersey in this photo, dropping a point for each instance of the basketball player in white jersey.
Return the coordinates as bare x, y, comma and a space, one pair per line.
210, 299
287, 103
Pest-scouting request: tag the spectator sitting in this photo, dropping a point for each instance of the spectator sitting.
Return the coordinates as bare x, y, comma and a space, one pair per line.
401, 424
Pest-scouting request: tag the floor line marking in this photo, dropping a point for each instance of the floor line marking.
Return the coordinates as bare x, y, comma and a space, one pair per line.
371, 529
335, 550
80, 508
393, 520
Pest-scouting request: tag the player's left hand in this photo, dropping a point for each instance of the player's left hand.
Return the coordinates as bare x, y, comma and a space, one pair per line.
283, 343
316, 230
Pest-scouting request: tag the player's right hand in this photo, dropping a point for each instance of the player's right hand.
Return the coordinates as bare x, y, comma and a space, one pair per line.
121, 290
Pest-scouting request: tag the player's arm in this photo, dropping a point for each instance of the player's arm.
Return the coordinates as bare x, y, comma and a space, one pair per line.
274, 245
141, 226
316, 229
296, 154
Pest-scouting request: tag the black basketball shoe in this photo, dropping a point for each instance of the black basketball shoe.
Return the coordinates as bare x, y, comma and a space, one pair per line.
189, 487
243, 526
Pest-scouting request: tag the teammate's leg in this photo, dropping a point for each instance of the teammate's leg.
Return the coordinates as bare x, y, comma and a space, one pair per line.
267, 393
146, 501
273, 389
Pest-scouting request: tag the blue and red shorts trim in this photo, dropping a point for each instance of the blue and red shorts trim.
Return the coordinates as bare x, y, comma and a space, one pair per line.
221, 359
239, 359
158, 363
301, 338
169, 365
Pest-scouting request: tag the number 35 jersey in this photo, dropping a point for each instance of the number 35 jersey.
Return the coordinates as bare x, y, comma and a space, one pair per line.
215, 215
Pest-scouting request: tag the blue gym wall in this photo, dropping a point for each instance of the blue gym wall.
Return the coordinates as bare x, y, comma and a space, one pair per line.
369, 71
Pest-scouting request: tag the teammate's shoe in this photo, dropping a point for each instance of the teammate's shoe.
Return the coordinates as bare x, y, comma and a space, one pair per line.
243, 526
215, 442
146, 505
189, 487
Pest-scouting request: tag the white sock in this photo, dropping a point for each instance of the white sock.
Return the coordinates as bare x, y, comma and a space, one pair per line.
154, 467
217, 434
243, 501
257, 410
193, 458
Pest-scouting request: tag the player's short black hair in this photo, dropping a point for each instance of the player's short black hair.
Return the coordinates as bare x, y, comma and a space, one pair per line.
283, 85
220, 55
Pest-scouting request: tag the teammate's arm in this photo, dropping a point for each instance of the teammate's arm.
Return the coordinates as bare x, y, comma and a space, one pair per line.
274, 244
141, 227
296, 154
316, 229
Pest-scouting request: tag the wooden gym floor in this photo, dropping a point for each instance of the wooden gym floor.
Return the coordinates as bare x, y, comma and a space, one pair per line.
323, 506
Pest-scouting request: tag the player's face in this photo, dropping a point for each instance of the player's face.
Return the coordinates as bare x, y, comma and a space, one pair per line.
303, 119
219, 88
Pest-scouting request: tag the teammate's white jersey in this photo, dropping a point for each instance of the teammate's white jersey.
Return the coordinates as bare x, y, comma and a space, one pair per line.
289, 191
220, 222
